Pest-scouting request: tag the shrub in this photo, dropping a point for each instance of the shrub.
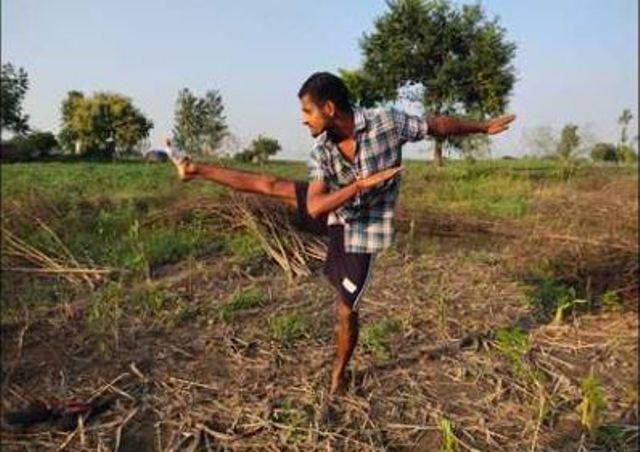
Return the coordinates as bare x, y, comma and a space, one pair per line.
31, 146
604, 152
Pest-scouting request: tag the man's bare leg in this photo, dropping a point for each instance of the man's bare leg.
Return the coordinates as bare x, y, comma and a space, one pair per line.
246, 181
346, 340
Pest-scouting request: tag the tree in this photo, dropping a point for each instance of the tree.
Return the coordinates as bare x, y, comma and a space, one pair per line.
361, 87
455, 60
104, 122
13, 87
259, 150
624, 119
199, 122
68, 137
569, 142
604, 152
541, 141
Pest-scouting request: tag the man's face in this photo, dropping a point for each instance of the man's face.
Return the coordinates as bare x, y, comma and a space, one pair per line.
316, 118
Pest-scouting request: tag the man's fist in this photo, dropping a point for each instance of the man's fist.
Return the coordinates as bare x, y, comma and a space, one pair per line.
366, 183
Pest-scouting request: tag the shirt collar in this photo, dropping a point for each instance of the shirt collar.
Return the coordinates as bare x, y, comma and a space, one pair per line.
359, 121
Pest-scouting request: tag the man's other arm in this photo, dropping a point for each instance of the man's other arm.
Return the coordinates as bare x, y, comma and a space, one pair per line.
320, 200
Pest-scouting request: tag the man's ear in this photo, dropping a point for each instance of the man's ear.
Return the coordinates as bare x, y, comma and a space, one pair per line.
329, 108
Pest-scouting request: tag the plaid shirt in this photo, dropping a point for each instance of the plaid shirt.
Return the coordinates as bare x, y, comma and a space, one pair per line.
368, 218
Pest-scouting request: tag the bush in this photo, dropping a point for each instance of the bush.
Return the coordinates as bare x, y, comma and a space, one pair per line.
626, 154
34, 145
604, 152
260, 150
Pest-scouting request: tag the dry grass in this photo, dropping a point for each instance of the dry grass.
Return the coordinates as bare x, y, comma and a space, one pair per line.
459, 356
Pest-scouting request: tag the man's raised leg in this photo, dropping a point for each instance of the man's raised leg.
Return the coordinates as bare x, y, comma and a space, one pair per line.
246, 181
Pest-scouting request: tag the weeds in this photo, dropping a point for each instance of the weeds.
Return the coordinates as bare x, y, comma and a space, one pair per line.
245, 249
449, 440
102, 318
241, 301
376, 337
288, 328
611, 301
514, 344
551, 297
593, 403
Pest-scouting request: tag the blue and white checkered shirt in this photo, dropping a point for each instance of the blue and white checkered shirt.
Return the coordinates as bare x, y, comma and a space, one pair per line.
368, 219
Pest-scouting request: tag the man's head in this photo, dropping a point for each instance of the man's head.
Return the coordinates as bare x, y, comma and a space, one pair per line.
323, 98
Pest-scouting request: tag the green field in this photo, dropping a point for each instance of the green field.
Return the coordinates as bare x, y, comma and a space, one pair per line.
504, 317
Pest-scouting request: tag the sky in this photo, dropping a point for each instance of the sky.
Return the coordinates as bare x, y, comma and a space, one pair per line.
576, 60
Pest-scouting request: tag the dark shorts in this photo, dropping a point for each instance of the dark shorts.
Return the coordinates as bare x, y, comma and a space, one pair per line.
349, 273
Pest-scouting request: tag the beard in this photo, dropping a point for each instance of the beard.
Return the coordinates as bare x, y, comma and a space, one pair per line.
315, 133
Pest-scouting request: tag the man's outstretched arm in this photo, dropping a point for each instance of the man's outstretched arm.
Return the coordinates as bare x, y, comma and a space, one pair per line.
443, 126
415, 128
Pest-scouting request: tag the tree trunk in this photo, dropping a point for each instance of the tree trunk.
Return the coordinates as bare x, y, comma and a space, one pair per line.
437, 153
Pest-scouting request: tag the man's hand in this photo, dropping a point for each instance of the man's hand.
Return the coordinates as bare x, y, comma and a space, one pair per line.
366, 183
498, 125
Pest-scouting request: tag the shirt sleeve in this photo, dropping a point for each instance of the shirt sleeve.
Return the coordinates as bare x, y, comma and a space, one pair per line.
409, 127
315, 167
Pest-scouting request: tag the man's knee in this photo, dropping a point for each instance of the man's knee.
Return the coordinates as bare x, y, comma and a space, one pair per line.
344, 310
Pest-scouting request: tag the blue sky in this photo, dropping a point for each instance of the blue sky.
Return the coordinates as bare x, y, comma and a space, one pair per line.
577, 60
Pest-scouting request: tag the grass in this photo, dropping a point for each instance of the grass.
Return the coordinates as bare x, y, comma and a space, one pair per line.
449, 440
551, 298
242, 301
288, 328
514, 344
611, 301
592, 404
376, 337
245, 250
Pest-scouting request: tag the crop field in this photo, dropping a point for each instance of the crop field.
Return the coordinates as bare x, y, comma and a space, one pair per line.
504, 317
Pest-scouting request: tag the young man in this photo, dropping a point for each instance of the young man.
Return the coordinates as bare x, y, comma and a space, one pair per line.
352, 192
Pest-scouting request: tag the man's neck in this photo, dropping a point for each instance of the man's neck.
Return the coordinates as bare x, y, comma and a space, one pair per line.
343, 128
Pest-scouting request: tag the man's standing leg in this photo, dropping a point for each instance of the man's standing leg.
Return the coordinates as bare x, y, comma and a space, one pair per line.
347, 329
350, 274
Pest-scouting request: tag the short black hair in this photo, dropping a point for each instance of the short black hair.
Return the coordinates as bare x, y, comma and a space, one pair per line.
324, 86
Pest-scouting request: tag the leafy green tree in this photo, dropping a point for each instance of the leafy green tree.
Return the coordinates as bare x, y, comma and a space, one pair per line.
624, 119
259, 150
362, 90
199, 122
604, 152
104, 122
455, 60
14, 84
569, 142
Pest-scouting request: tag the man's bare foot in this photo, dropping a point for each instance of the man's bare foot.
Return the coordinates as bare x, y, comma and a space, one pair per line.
186, 168
329, 413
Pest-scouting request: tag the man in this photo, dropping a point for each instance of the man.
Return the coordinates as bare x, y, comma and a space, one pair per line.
353, 188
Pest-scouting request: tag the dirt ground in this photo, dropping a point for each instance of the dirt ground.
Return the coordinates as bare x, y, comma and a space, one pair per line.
454, 354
